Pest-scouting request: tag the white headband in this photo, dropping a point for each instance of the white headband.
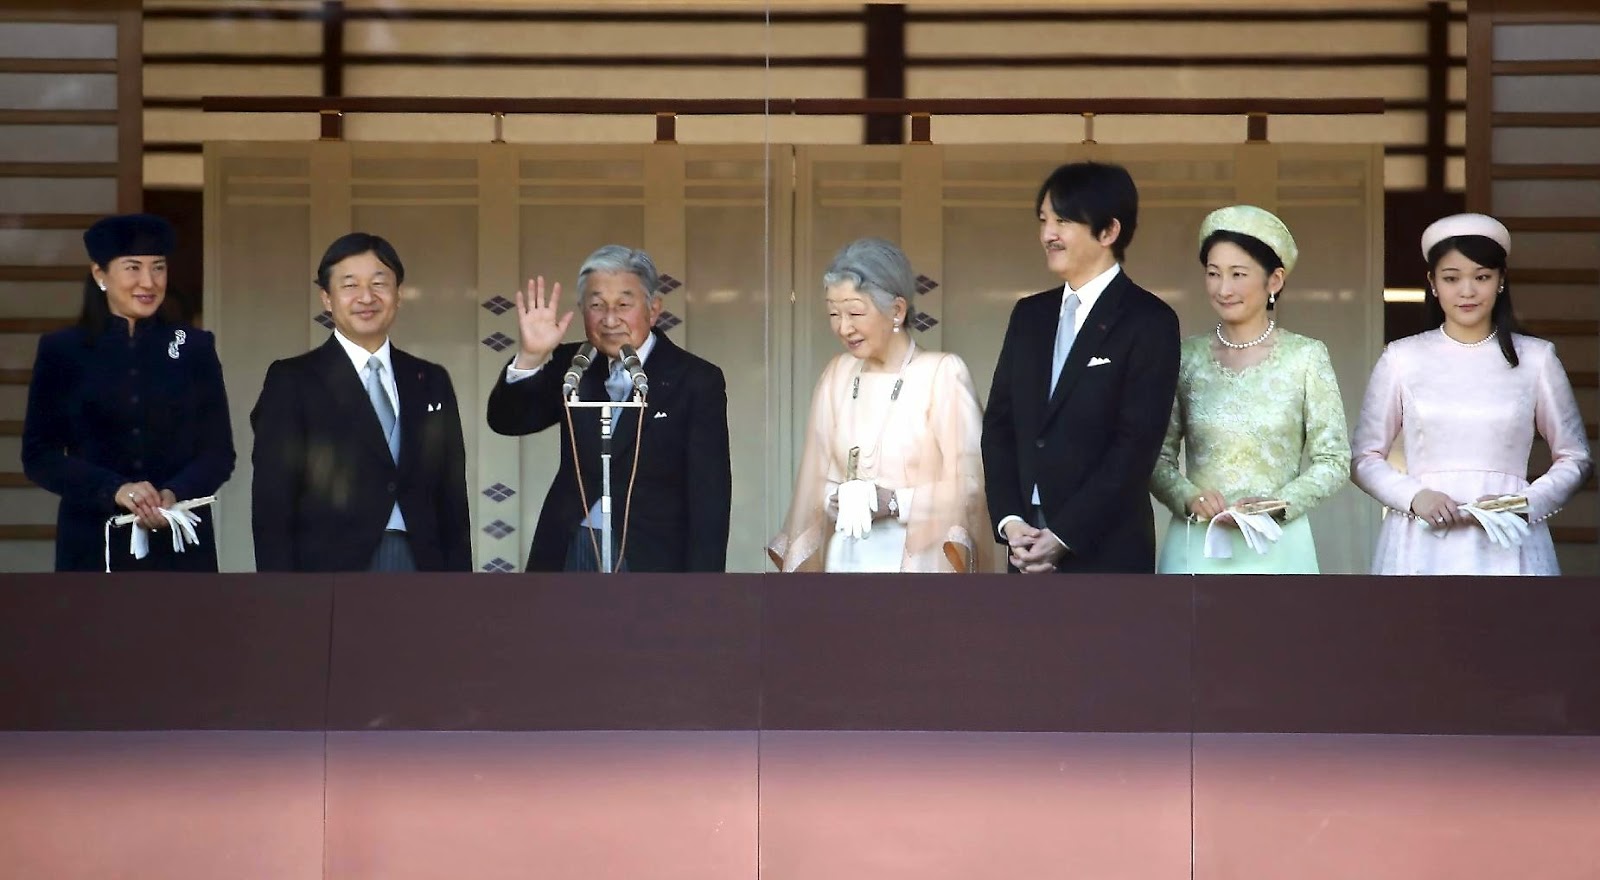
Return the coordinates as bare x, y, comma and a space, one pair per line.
1465, 224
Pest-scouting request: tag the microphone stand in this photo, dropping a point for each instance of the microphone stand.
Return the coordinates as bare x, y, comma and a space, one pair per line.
606, 407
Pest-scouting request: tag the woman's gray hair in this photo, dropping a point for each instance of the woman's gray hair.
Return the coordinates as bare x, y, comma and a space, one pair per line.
617, 258
877, 268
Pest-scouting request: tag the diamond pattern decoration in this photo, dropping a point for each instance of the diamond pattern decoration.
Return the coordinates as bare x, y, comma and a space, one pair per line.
499, 529
667, 321
499, 566
499, 492
923, 321
499, 341
325, 319
667, 284
499, 305
925, 284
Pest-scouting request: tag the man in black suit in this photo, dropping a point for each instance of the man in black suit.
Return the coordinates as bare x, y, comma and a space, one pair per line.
678, 518
359, 459
1082, 390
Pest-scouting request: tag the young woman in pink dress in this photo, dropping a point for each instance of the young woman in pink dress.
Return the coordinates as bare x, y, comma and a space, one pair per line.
1466, 400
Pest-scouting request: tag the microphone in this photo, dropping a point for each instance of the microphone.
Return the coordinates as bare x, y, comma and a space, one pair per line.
580, 362
635, 368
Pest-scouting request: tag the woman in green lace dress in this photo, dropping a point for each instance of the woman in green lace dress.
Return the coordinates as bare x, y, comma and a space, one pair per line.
1254, 401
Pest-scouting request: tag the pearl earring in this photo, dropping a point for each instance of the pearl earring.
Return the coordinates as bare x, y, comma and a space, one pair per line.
102, 288
897, 326
1272, 300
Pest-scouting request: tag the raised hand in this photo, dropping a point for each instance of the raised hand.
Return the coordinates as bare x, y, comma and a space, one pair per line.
538, 328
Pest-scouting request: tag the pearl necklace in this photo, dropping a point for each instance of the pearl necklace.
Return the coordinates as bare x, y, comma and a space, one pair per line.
1272, 323
1483, 341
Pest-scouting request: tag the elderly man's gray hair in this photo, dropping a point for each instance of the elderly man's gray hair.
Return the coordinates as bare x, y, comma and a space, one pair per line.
877, 268
617, 258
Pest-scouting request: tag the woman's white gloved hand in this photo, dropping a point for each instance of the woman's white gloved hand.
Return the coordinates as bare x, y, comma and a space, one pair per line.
857, 501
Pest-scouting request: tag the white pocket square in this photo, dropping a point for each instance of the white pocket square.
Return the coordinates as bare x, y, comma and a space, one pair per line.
660, 414
1096, 362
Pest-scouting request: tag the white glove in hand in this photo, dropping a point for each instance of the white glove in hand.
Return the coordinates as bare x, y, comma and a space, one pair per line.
1259, 530
858, 501
180, 522
1505, 529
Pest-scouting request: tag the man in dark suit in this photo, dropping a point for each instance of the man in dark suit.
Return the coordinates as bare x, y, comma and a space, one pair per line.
678, 518
359, 459
1082, 390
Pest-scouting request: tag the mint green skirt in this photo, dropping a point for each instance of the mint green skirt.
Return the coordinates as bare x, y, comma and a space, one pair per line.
1184, 552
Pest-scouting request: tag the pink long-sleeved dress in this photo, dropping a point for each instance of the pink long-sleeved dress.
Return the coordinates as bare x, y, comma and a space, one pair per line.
1468, 420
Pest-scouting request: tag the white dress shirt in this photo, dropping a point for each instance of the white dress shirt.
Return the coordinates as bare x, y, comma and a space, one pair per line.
358, 359
1088, 295
515, 375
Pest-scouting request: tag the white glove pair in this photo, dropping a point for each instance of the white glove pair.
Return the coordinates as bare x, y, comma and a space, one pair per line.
180, 522
858, 501
1259, 530
180, 519
1504, 528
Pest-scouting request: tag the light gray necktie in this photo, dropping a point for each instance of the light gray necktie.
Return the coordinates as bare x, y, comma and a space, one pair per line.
381, 405
619, 384
1066, 332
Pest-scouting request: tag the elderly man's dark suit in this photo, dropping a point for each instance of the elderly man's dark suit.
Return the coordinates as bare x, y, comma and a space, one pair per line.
679, 517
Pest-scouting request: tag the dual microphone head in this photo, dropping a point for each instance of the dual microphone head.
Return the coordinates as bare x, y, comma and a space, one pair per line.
585, 356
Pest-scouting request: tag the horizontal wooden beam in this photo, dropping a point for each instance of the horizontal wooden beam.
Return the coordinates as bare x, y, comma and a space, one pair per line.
1546, 68
1552, 224
58, 65
1574, 534
45, 273
1421, 150
1322, 60
1555, 276
1584, 378
1172, 16
1545, 172
13, 480
27, 533
174, 147
16, 376
39, 325
58, 169
757, 60
1545, 120
58, 117
787, 16
1561, 326
47, 221
10, 427
803, 106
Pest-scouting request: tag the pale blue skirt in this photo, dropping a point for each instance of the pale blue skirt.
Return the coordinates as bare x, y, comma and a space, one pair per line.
1184, 552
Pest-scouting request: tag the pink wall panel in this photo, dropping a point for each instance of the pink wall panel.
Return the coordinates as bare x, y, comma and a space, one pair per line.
930, 806
1318, 807
161, 806
556, 806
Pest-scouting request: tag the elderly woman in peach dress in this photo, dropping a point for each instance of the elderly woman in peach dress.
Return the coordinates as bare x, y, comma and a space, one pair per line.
891, 477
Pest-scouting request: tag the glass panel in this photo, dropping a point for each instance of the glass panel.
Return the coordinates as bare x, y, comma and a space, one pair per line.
1547, 94
58, 91
58, 143
37, 39
1544, 42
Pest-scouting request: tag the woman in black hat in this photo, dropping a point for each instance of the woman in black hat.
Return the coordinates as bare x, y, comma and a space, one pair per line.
126, 411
